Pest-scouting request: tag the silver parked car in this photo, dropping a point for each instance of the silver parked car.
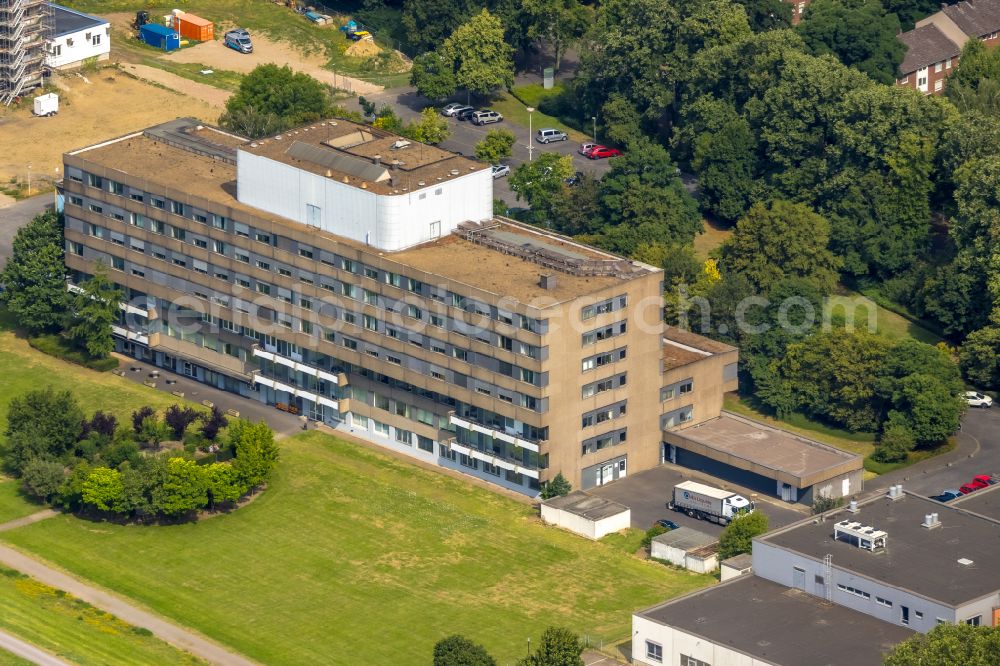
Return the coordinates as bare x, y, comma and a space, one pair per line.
547, 134
453, 109
500, 170
485, 117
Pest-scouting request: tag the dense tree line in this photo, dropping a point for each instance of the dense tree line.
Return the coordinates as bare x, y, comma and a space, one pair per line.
98, 465
34, 290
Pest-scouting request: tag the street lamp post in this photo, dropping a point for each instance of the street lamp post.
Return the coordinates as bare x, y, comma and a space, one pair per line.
594, 119
531, 110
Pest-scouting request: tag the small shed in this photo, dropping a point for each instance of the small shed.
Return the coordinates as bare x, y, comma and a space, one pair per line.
688, 548
194, 27
587, 515
160, 37
736, 566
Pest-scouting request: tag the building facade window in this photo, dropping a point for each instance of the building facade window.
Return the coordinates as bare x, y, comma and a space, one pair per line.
654, 652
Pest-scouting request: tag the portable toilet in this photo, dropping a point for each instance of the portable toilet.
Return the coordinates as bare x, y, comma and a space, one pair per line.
194, 27
159, 36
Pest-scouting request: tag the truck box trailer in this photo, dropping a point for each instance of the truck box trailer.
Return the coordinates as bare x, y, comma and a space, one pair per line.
707, 503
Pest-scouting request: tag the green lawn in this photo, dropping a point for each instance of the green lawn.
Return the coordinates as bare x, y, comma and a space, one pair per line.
354, 557
515, 111
891, 324
73, 629
23, 369
12, 503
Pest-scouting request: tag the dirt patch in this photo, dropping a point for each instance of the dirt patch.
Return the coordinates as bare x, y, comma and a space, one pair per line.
209, 94
105, 104
365, 48
215, 54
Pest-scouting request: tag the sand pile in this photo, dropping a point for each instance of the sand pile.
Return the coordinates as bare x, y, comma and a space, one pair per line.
363, 48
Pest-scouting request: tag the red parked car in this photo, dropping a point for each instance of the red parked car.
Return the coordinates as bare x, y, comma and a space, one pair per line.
601, 152
967, 488
984, 479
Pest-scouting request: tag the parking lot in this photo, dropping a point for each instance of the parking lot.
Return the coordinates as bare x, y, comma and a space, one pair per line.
647, 493
465, 136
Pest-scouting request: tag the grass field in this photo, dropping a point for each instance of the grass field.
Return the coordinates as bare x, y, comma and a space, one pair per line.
8, 659
516, 111
75, 630
12, 504
353, 557
712, 237
23, 369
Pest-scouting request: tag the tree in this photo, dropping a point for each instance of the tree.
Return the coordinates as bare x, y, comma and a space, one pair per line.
767, 14
184, 489
976, 65
70, 495
755, 250
948, 644
103, 489
256, 452
214, 421
433, 74
139, 416
41, 424
483, 60
738, 536
42, 478
726, 164
894, 444
557, 487
179, 418
224, 484
101, 423
431, 128
558, 647
279, 96
34, 276
979, 357
429, 22
95, 310
558, 23
859, 32
644, 201
541, 182
458, 650
495, 146
153, 431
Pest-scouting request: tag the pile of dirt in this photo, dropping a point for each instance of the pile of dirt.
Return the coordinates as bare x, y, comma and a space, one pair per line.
364, 48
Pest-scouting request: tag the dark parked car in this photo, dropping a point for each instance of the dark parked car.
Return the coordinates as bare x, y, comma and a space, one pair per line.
947, 496
575, 179
667, 524
465, 113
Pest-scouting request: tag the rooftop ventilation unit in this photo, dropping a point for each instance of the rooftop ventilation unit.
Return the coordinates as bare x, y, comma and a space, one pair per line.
853, 506
895, 492
860, 536
454, 172
965, 562
931, 521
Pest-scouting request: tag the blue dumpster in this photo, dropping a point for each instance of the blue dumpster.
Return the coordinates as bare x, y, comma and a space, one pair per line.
160, 36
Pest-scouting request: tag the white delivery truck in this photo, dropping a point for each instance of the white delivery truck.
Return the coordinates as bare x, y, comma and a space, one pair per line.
707, 503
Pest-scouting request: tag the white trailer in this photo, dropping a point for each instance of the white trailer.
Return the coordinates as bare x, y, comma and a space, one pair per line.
46, 105
707, 503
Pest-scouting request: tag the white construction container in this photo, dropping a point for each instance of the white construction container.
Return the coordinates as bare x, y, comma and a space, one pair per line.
47, 105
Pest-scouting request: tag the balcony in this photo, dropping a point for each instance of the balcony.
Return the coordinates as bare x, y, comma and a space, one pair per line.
497, 462
338, 378
189, 351
495, 434
297, 392
132, 336
131, 309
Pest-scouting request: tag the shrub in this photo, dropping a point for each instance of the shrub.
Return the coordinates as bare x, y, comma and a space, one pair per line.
59, 347
652, 533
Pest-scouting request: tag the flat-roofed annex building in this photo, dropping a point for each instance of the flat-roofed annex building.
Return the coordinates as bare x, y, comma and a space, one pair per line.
361, 279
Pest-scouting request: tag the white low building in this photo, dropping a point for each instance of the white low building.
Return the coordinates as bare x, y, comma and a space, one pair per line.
76, 37
688, 548
587, 515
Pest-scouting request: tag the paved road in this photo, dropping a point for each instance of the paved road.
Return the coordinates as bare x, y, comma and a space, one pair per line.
28, 651
15, 216
647, 493
281, 423
184, 639
977, 452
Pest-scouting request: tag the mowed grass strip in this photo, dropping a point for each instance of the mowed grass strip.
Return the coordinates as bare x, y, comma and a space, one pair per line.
12, 503
75, 630
354, 557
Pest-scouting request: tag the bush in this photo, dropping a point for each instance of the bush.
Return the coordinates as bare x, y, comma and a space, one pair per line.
823, 504
894, 445
59, 347
738, 535
652, 533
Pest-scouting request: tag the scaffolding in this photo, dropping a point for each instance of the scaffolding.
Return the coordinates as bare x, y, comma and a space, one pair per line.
25, 29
